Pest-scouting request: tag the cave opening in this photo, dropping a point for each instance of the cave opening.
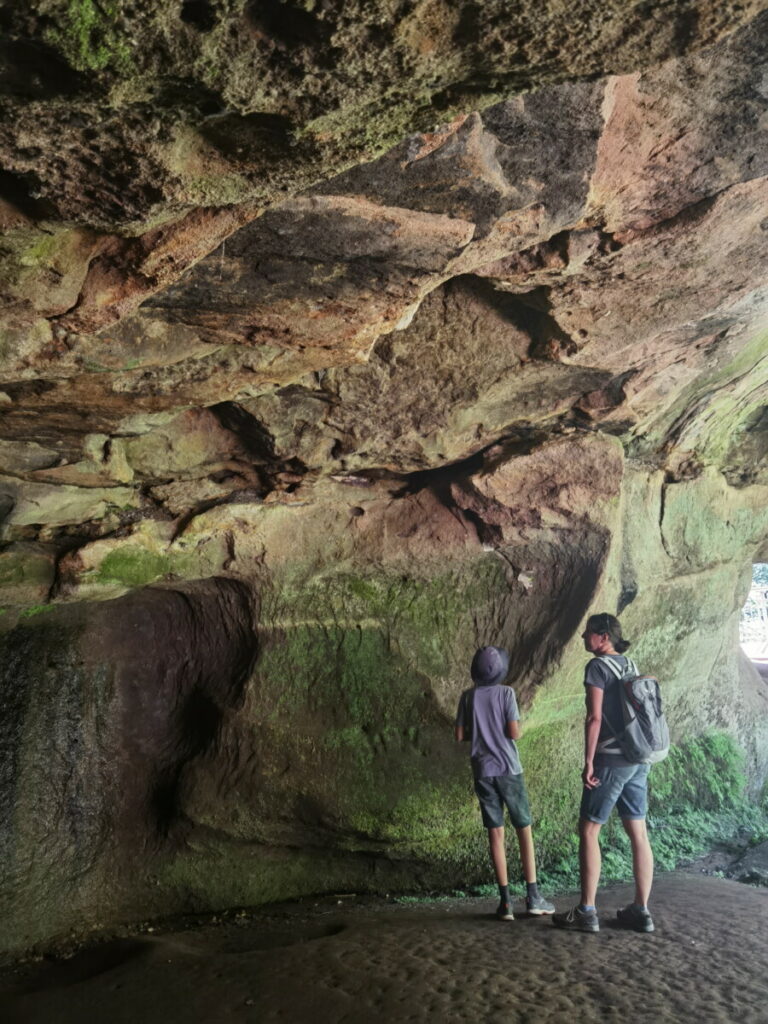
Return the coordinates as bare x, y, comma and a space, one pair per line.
753, 623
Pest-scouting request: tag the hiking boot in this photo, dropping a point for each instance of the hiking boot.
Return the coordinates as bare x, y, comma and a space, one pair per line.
537, 905
635, 917
577, 920
504, 912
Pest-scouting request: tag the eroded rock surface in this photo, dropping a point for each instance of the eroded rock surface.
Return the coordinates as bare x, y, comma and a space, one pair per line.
115, 115
270, 473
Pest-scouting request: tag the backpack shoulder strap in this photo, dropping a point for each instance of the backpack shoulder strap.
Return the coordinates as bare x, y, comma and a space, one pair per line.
618, 672
612, 665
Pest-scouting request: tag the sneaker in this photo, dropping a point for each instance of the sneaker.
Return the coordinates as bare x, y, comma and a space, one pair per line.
635, 917
504, 912
537, 905
577, 920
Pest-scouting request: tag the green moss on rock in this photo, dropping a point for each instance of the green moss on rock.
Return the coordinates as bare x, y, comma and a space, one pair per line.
36, 609
134, 566
707, 773
89, 37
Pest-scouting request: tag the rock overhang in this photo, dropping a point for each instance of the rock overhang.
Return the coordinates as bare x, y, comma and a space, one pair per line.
459, 387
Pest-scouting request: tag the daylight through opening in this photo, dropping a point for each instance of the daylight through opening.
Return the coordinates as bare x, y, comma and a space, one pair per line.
753, 625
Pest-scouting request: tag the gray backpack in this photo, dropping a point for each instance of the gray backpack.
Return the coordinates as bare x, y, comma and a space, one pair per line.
643, 735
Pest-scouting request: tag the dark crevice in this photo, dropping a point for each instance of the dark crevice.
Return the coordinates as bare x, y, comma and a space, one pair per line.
20, 191
197, 724
686, 30
518, 442
629, 590
229, 540
286, 25
28, 389
250, 137
200, 14
210, 682
487, 533
467, 31
464, 94
151, 508
274, 473
688, 216
249, 431
533, 314
439, 480
186, 94
34, 70
528, 312
662, 506
607, 243
6, 506
66, 546
224, 476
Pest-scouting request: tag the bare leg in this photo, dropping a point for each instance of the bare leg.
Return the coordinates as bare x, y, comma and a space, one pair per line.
498, 854
642, 859
590, 860
527, 856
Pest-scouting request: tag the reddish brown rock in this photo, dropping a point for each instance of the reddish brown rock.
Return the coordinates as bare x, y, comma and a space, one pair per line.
115, 117
507, 373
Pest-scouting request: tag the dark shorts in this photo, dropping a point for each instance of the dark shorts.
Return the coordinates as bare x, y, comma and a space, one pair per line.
626, 788
498, 791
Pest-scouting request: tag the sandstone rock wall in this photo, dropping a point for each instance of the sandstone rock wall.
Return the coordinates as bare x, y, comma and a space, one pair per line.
269, 476
225, 743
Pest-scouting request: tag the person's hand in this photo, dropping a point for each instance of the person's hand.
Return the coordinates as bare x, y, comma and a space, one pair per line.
589, 778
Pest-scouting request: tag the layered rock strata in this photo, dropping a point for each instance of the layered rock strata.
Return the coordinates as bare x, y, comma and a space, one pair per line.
268, 477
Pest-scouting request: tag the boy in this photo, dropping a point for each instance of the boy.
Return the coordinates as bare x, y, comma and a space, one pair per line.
489, 719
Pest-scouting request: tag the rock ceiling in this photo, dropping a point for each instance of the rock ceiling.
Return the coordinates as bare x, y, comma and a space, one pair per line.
220, 285
365, 332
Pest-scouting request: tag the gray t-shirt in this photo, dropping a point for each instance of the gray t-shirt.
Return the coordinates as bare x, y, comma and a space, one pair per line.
483, 714
598, 674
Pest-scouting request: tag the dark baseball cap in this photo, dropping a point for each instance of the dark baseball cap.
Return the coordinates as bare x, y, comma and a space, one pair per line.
490, 665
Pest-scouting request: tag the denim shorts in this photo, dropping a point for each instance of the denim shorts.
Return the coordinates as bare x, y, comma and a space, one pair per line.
497, 791
625, 787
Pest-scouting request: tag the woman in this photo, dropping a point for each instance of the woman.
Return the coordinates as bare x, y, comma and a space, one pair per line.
610, 780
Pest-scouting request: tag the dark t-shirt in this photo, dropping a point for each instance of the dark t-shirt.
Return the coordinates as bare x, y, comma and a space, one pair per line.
608, 754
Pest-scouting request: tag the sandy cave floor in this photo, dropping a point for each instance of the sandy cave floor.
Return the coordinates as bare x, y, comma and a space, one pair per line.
348, 960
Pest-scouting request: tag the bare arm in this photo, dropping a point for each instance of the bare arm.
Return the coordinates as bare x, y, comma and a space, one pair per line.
513, 730
592, 725
460, 729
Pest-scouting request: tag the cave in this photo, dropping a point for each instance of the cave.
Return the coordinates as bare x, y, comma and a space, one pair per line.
339, 340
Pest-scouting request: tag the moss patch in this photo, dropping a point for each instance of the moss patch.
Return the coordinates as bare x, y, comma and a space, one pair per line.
36, 609
89, 37
707, 774
133, 567
344, 707
551, 759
